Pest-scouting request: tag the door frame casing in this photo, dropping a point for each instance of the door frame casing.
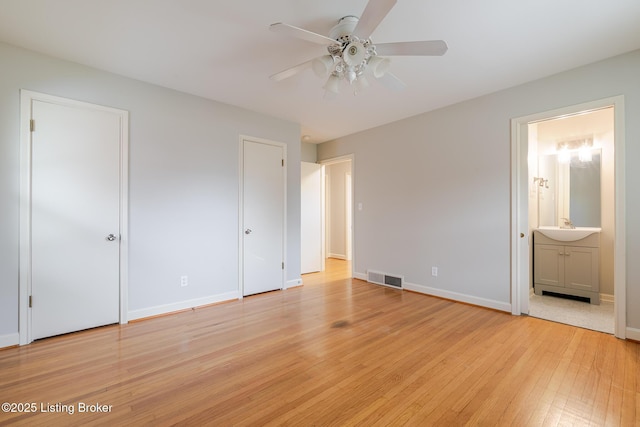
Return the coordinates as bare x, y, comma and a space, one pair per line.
283, 146
24, 287
520, 265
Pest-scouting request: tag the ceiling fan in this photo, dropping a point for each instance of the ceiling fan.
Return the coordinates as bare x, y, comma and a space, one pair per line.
352, 56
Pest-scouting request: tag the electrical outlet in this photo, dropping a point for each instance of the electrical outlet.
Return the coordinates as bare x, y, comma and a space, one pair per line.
184, 281
434, 271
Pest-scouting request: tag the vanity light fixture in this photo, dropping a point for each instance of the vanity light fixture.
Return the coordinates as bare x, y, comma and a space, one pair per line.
583, 146
584, 154
564, 155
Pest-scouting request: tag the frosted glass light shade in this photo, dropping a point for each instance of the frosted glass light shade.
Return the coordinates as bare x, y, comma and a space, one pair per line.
333, 84
379, 66
322, 66
354, 54
361, 84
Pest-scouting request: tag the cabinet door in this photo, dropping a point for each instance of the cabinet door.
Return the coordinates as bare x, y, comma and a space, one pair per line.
582, 268
548, 266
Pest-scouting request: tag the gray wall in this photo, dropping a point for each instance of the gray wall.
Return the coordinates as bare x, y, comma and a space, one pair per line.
308, 152
435, 188
183, 179
336, 174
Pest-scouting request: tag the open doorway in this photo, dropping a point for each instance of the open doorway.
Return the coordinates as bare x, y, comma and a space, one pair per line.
571, 176
529, 209
338, 218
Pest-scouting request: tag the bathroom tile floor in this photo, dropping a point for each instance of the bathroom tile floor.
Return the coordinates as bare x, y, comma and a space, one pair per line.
571, 312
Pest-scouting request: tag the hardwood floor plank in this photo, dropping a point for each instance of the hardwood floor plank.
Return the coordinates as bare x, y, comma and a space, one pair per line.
335, 351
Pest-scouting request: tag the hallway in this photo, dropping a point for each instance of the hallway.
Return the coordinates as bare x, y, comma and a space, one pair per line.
335, 269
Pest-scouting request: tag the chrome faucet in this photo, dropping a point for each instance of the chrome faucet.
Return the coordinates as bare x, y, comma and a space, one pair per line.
567, 223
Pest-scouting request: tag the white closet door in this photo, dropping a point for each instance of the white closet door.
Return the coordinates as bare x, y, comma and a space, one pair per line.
263, 217
75, 224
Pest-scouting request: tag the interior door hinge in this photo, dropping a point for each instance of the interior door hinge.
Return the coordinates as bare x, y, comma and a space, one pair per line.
32, 125
282, 162
283, 265
30, 301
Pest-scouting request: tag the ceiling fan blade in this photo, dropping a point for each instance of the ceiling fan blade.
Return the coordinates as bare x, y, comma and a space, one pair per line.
392, 82
300, 33
292, 71
423, 48
374, 12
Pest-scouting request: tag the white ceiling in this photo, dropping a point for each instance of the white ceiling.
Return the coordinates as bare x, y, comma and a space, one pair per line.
223, 50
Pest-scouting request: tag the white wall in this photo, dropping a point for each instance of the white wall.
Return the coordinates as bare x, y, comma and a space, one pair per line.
436, 187
183, 182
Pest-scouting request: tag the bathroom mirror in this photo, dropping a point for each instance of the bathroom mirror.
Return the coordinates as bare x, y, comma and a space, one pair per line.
570, 190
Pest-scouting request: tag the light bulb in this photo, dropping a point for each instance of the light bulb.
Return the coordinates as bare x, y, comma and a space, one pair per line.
584, 154
564, 156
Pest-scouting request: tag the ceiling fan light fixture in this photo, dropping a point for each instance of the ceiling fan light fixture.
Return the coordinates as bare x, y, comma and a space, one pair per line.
333, 84
354, 54
351, 75
323, 65
361, 84
379, 66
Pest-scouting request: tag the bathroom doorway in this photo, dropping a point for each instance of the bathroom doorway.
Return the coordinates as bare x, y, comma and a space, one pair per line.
541, 197
571, 185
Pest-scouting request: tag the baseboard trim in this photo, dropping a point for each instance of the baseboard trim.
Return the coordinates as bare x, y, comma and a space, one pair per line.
455, 296
607, 298
632, 334
293, 283
182, 305
337, 256
360, 276
9, 340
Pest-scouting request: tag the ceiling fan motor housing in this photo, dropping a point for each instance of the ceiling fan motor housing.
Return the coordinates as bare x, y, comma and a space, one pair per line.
344, 28
351, 54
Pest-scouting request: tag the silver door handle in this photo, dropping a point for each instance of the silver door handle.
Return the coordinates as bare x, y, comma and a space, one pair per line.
111, 237
247, 231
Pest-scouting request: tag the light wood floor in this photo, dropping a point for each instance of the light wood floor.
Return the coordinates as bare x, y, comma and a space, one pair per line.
335, 352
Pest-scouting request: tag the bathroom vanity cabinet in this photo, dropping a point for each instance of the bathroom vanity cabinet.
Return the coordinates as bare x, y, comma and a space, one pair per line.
567, 267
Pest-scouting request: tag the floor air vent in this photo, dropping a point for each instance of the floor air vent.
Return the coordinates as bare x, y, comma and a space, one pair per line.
380, 278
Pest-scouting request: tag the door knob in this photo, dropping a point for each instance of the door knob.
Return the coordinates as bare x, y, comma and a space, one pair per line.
247, 231
111, 237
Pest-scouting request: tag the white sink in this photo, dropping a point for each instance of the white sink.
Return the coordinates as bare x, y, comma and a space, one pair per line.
568, 234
